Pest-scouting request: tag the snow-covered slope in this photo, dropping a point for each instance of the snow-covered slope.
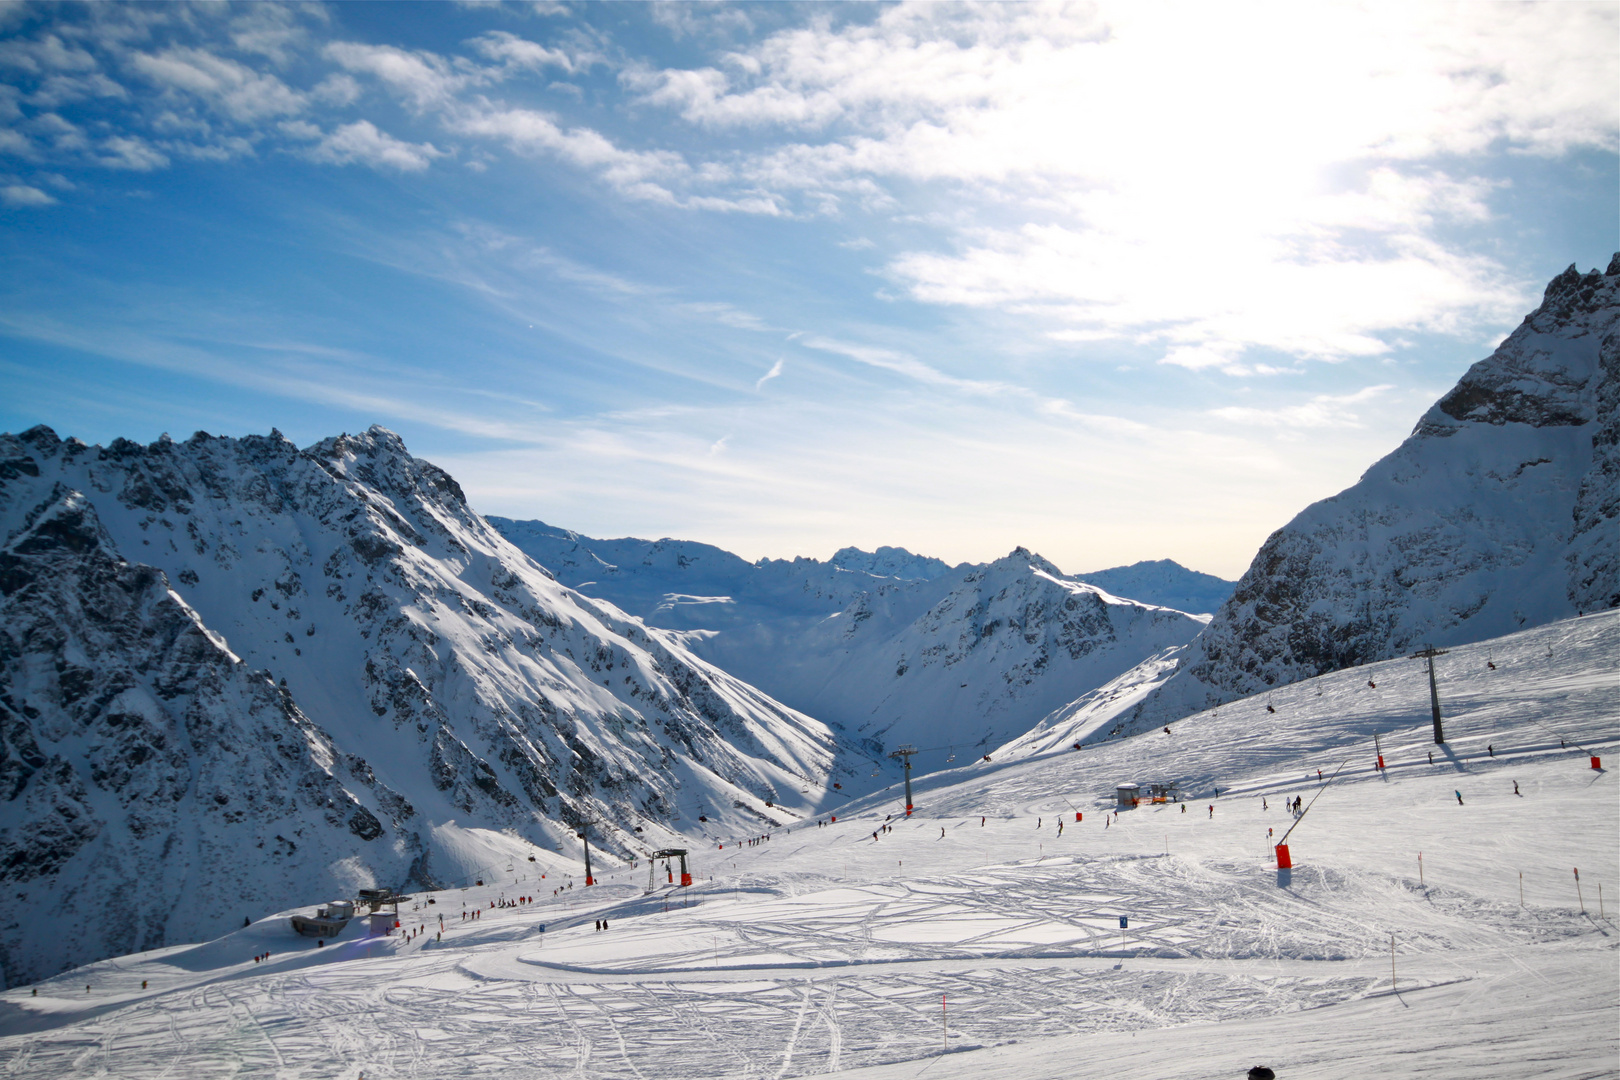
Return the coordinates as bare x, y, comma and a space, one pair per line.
1500, 511
958, 665
433, 685
1163, 582
955, 663
989, 922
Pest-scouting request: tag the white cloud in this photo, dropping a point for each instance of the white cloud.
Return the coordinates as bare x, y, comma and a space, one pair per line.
45, 54
25, 195
230, 88
361, 143
423, 79
130, 152
519, 52
633, 172
776, 369
1217, 177
1321, 411
901, 363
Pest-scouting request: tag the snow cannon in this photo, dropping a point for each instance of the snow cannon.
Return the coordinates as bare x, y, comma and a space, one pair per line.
1597, 763
1284, 860
1077, 815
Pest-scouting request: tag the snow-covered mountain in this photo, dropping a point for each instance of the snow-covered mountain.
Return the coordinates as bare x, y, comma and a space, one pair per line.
990, 922
1500, 511
235, 672
1163, 582
895, 562
956, 663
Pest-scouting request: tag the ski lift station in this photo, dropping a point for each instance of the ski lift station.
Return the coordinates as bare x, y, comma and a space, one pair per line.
1131, 794
328, 921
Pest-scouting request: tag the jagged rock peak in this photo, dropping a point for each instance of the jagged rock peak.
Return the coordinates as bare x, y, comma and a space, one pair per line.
1500, 511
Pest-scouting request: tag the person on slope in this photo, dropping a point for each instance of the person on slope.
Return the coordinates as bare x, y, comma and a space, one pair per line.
1459, 797
1212, 810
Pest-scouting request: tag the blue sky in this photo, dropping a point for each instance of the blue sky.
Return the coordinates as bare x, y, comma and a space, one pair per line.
1112, 282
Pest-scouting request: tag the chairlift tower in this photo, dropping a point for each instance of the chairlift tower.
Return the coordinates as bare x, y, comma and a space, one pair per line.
1434, 694
666, 854
585, 835
903, 754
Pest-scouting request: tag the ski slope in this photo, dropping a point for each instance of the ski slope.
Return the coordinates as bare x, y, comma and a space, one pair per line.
828, 949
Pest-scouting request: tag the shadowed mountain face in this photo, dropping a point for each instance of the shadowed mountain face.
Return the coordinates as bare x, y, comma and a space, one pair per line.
1163, 582
1500, 511
233, 669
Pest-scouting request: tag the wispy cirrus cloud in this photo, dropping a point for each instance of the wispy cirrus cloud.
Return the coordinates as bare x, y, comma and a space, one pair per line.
1321, 411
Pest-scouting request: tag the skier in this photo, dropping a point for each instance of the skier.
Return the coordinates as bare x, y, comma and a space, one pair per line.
1212, 810
1459, 797
1516, 789
1167, 731
1263, 805
942, 832
1431, 757
1270, 709
1038, 822
1183, 808
604, 924
981, 823
1491, 750
1319, 775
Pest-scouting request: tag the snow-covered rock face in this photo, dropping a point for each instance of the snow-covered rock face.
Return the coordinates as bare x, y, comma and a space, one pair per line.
955, 662
892, 562
143, 767
963, 663
1165, 583
1500, 511
431, 682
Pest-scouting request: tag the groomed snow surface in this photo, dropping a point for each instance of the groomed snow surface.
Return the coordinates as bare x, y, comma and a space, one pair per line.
824, 950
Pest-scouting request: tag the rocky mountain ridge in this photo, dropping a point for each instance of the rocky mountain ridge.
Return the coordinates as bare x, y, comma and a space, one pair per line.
1500, 511
440, 705
955, 663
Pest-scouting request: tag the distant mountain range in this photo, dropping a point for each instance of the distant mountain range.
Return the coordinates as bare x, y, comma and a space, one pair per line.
890, 647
